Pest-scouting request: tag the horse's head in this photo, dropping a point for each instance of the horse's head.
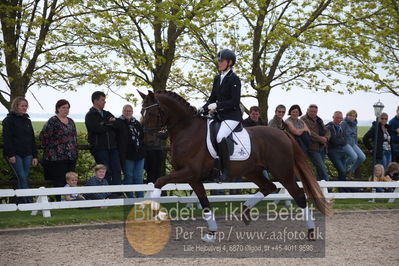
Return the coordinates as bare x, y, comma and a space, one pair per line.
153, 118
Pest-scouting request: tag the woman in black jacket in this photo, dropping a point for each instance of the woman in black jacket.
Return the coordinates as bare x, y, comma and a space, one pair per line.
384, 145
131, 148
19, 143
225, 101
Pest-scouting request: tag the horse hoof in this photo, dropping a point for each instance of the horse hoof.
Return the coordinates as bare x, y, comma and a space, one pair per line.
311, 235
245, 216
209, 238
161, 216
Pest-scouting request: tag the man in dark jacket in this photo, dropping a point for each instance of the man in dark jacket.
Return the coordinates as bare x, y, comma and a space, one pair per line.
101, 127
336, 144
253, 118
319, 136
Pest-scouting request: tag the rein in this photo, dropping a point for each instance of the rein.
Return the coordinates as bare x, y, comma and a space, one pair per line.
163, 127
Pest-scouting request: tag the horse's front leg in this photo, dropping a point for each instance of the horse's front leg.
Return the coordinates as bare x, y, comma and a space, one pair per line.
208, 215
179, 176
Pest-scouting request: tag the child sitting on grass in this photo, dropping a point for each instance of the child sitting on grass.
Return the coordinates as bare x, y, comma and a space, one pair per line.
393, 171
72, 181
98, 180
379, 176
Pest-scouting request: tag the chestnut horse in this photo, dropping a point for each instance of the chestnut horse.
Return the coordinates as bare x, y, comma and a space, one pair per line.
271, 149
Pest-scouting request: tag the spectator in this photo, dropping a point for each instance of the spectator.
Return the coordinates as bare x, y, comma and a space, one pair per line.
72, 181
298, 128
355, 154
101, 128
378, 176
277, 120
336, 145
383, 147
394, 124
254, 118
19, 143
393, 171
319, 136
59, 141
131, 149
154, 157
98, 179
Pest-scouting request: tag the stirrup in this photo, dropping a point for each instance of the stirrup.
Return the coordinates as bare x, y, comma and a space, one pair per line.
221, 178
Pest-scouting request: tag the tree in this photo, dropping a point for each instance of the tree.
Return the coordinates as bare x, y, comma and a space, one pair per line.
370, 39
280, 44
34, 37
138, 41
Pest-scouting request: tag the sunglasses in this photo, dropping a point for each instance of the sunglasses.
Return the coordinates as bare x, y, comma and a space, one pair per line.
281, 112
383, 118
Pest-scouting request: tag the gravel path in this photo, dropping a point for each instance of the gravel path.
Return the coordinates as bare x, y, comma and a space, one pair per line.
352, 238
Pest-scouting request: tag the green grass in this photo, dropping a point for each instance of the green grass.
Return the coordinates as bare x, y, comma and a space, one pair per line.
38, 125
20, 219
361, 131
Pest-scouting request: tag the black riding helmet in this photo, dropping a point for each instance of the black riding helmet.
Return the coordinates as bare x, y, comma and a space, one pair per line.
227, 54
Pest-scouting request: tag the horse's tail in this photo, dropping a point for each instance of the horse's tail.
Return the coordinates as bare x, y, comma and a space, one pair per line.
312, 189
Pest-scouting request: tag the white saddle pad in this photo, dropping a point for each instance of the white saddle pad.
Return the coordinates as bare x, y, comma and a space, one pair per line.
242, 145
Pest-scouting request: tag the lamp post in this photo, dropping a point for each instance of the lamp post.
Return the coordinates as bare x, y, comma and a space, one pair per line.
378, 107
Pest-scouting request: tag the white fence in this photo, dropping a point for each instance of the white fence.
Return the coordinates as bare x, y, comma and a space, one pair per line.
42, 203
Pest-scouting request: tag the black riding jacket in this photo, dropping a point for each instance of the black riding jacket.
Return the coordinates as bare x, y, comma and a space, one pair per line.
227, 97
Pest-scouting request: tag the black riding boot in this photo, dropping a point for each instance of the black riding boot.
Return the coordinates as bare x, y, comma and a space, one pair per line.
224, 159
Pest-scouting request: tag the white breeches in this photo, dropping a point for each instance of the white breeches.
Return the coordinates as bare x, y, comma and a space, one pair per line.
226, 127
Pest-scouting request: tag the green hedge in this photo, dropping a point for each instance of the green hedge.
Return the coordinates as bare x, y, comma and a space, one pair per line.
84, 167
86, 163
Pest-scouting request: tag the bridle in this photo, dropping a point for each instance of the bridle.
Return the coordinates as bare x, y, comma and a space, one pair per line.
162, 127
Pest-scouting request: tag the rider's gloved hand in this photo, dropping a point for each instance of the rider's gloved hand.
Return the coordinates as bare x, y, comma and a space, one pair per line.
212, 107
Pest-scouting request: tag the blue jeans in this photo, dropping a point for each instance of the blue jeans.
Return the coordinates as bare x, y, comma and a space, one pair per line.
339, 161
355, 156
317, 158
110, 158
386, 159
21, 168
133, 172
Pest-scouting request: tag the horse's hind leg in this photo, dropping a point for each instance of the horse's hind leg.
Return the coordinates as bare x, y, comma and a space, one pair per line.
299, 196
209, 216
265, 188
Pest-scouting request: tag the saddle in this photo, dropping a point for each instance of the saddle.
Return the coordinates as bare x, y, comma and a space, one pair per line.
213, 131
238, 142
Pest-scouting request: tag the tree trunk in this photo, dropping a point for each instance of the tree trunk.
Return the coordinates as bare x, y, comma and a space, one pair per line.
263, 96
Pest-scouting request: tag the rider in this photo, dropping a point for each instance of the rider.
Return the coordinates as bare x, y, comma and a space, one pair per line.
225, 101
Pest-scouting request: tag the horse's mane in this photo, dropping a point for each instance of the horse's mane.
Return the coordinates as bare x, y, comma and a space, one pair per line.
190, 109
